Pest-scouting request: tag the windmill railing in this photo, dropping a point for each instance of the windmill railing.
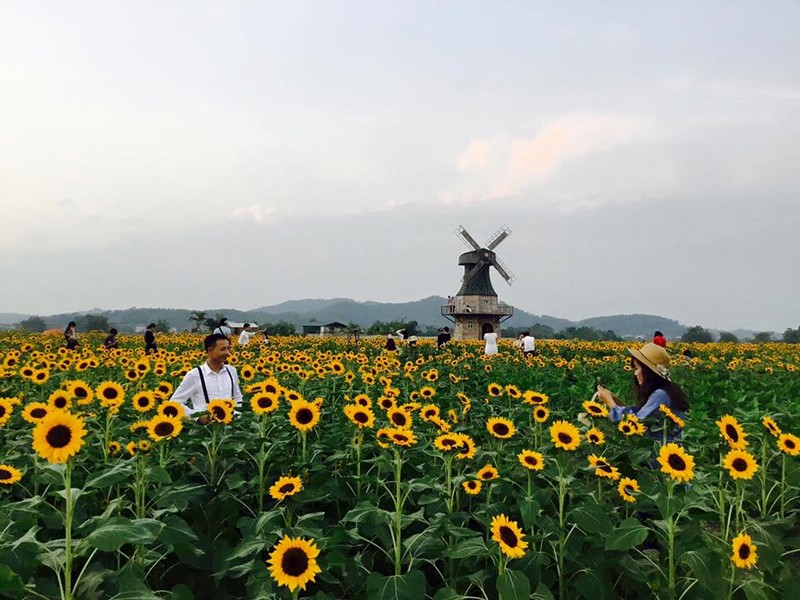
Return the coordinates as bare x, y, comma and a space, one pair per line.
498, 309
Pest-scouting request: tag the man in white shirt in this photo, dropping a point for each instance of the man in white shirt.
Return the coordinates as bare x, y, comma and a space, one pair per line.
213, 379
247, 333
223, 329
528, 344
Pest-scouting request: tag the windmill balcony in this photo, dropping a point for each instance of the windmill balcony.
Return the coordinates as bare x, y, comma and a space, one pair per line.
496, 309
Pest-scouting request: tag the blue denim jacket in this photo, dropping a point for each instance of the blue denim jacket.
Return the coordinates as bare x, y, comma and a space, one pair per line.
652, 417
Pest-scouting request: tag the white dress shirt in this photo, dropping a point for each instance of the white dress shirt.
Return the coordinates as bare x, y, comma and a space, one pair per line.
244, 337
217, 384
528, 343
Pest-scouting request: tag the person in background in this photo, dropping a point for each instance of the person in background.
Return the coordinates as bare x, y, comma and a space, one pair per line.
247, 333
518, 342
211, 380
490, 337
659, 339
266, 337
390, 346
223, 329
442, 337
71, 336
111, 343
653, 388
150, 346
528, 344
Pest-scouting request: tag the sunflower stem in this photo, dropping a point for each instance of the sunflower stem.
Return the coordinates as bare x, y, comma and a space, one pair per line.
68, 511
764, 495
398, 517
448, 462
262, 462
783, 486
359, 439
722, 487
562, 540
671, 540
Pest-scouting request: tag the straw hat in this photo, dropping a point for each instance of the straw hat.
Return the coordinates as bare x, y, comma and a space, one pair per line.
654, 357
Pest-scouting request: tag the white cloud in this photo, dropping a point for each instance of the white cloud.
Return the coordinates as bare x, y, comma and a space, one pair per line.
254, 212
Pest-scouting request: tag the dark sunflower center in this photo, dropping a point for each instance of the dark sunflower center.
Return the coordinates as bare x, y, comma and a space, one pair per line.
60, 402
400, 437
594, 437
110, 394
361, 417
789, 444
399, 419
531, 460
740, 465
143, 401
59, 436
40, 376
732, 432
294, 562
5, 474
164, 428
486, 475
80, 392
472, 485
676, 462
744, 551
170, 411
605, 468
448, 442
501, 429
265, 402
270, 389
2, 411
430, 413
38, 413
628, 490
564, 438
286, 488
218, 412
304, 416
508, 536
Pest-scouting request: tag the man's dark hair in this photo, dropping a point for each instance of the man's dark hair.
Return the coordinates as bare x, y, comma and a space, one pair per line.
151, 326
113, 331
526, 333
657, 334
211, 340
246, 325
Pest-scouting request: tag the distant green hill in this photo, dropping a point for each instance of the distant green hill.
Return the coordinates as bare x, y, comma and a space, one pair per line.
426, 312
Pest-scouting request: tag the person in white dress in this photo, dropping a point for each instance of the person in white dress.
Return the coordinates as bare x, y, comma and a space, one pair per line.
490, 337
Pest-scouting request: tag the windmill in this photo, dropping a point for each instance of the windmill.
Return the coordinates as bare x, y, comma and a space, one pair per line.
475, 307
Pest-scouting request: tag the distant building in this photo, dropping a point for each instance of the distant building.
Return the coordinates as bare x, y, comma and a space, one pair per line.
334, 328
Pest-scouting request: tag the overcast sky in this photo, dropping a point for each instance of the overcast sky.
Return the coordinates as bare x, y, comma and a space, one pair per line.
646, 156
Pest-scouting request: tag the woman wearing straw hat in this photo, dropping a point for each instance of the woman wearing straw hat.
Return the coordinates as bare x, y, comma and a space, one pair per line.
653, 388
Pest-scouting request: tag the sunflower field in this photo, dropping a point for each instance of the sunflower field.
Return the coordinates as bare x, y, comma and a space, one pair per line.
350, 472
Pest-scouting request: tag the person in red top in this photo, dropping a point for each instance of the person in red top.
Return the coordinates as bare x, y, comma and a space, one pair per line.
659, 339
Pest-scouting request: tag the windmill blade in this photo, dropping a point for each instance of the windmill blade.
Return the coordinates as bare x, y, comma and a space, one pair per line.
498, 237
505, 273
473, 272
465, 237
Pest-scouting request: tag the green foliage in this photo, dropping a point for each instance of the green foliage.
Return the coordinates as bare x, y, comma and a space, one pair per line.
697, 334
728, 337
162, 326
762, 337
93, 323
33, 325
792, 336
384, 327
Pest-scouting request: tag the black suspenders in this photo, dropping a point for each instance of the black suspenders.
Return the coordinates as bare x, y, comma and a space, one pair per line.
203, 381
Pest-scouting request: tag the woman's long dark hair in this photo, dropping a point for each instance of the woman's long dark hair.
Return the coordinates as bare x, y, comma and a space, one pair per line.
653, 382
70, 325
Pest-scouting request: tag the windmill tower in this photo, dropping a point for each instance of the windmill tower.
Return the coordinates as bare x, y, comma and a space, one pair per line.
475, 307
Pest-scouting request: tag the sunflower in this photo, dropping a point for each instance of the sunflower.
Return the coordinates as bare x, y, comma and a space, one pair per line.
740, 464
771, 426
789, 444
733, 433
170, 408
304, 415
513, 391
220, 411
676, 462
510, 537
40, 376
163, 390
132, 448
744, 551
285, 487
495, 390
161, 427
429, 411
531, 460
535, 398
382, 437
81, 391
448, 441
487, 473
360, 416
144, 401
110, 392
603, 468
6, 408
627, 488
387, 402
501, 428
293, 563
399, 418
595, 437
671, 415
35, 412
469, 448
114, 448
541, 414
264, 403
144, 446
565, 435
9, 475
472, 487
402, 437
58, 436
595, 409
60, 400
